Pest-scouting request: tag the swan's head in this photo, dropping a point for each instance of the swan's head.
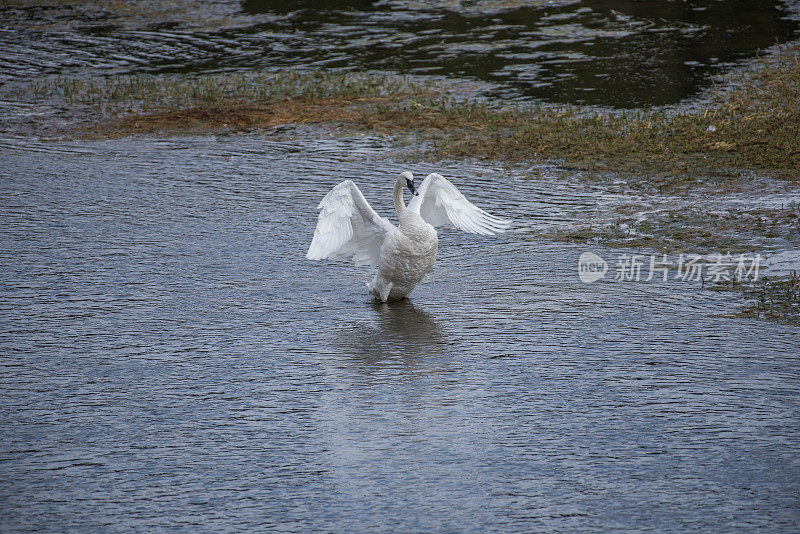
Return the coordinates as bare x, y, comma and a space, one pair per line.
409, 178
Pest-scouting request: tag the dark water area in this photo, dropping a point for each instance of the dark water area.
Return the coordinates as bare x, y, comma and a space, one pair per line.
618, 53
170, 361
623, 54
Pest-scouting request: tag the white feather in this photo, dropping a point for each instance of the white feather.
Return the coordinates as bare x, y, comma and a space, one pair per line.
441, 204
348, 227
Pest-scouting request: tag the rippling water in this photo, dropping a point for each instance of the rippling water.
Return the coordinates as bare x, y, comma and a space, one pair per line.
170, 360
619, 53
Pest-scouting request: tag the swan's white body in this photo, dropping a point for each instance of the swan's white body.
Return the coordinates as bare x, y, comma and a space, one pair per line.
349, 227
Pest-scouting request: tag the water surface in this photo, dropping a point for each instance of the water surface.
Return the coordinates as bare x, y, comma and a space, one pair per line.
169, 360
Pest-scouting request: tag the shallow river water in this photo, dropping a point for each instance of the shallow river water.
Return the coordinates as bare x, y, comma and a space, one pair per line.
171, 361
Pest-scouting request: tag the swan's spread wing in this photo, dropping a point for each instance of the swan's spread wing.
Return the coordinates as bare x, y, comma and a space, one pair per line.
441, 204
348, 226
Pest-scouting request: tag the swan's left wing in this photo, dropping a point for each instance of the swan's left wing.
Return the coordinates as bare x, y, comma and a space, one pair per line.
348, 226
441, 204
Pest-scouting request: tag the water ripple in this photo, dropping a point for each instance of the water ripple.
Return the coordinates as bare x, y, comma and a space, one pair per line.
625, 56
171, 361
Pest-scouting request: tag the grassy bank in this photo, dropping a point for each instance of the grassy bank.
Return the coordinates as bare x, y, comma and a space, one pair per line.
749, 123
126, 105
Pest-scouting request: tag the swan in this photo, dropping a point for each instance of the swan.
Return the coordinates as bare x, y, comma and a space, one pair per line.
348, 227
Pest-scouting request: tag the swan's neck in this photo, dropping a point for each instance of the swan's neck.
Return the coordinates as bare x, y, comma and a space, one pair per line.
399, 203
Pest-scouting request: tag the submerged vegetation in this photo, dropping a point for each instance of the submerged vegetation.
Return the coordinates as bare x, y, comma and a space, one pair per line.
142, 103
689, 229
775, 299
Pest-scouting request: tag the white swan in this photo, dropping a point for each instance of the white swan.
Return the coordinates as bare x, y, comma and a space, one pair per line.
349, 227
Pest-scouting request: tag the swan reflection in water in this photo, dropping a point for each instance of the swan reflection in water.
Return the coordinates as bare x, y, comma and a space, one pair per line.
401, 330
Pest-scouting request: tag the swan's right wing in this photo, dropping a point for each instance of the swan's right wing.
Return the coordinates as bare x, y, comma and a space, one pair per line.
348, 226
441, 204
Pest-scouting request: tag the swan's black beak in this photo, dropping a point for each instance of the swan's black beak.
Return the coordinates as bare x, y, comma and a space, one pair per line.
410, 184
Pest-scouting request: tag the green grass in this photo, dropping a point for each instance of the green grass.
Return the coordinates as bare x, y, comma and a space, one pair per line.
176, 92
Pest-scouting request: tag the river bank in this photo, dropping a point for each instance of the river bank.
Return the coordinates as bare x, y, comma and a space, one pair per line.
747, 124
